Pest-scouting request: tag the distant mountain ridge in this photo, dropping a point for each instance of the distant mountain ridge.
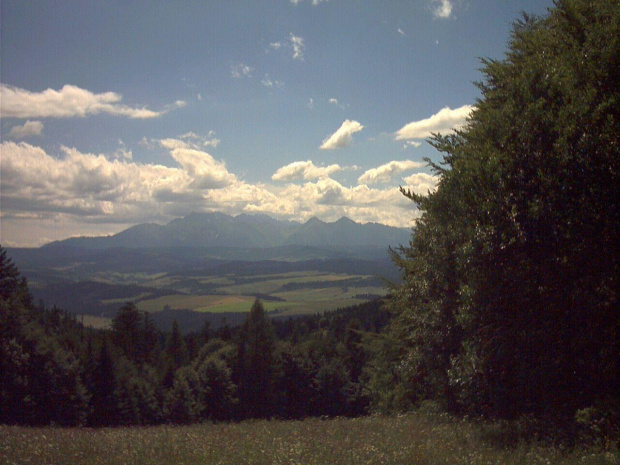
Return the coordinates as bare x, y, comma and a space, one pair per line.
248, 231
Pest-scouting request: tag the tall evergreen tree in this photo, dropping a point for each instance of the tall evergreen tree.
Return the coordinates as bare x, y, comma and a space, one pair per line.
510, 299
256, 363
103, 386
176, 348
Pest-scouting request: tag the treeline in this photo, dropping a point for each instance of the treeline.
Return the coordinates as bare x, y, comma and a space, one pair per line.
56, 371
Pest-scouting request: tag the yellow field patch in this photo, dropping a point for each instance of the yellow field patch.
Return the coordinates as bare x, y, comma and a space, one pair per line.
194, 302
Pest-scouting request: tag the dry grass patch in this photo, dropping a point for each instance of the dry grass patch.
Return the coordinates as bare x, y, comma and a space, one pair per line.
409, 439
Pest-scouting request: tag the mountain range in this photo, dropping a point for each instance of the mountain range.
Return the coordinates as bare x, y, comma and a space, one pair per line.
245, 231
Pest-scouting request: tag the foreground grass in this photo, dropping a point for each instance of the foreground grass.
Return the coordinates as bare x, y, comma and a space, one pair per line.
409, 439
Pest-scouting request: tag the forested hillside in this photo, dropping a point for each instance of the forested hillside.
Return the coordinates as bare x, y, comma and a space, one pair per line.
57, 371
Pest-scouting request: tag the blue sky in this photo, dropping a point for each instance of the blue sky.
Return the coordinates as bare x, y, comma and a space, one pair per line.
122, 112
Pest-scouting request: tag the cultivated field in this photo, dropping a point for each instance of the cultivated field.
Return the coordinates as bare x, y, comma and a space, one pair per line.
410, 439
293, 293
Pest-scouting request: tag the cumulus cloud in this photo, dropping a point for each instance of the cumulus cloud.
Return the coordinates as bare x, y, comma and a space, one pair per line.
42, 193
202, 168
385, 173
445, 121
343, 136
442, 8
96, 185
421, 183
28, 129
240, 70
70, 101
304, 170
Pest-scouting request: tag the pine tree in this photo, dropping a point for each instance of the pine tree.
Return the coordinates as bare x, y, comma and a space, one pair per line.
103, 400
256, 363
176, 348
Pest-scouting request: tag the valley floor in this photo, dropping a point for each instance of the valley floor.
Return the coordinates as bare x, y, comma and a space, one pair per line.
408, 439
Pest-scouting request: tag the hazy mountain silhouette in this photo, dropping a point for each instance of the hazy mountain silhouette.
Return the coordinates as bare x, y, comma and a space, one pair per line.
247, 231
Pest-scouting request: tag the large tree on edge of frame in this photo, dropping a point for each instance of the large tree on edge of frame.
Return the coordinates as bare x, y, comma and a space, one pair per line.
509, 304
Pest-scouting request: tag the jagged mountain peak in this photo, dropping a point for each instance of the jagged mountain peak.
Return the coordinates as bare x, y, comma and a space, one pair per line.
217, 229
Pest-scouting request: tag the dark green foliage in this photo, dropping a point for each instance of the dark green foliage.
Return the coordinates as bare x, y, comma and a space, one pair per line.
40, 380
185, 402
256, 363
219, 393
102, 387
134, 333
136, 394
510, 300
176, 349
56, 371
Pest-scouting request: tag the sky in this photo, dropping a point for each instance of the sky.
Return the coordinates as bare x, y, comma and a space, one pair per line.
120, 112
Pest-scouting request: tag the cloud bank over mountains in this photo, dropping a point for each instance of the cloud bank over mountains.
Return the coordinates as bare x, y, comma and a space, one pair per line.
73, 187
114, 189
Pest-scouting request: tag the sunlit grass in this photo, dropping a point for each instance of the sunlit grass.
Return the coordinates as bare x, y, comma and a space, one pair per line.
410, 439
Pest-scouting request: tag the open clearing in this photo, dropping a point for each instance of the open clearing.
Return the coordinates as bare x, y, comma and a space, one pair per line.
199, 303
410, 439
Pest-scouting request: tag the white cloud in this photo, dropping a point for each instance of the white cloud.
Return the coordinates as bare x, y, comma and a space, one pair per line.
199, 140
310, 103
70, 101
202, 168
385, 173
28, 129
268, 82
205, 171
421, 183
314, 2
96, 186
298, 46
333, 101
343, 136
445, 121
304, 170
293, 43
240, 70
75, 193
123, 152
412, 143
443, 10
401, 32
330, 200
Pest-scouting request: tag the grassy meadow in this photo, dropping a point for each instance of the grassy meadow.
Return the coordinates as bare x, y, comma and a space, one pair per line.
418, 438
